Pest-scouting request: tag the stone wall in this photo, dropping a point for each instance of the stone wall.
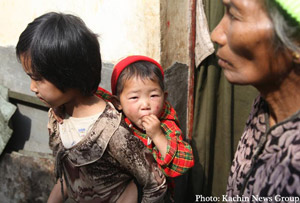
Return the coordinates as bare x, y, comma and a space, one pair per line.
26, 177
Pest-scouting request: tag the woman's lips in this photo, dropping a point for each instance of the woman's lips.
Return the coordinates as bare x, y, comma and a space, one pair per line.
223, 63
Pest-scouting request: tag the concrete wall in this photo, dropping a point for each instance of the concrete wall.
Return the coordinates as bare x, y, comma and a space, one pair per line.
124, 26
175, 29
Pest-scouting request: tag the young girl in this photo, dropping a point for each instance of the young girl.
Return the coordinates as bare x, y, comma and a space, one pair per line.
96, 155
138, 83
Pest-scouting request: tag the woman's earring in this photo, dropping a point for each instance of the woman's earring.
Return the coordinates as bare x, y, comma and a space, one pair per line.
296, 57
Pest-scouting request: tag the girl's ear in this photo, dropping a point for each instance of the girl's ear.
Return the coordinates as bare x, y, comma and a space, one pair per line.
165, 95
116, 102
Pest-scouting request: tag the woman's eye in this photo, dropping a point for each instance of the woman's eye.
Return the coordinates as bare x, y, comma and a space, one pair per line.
229, 13
231, 16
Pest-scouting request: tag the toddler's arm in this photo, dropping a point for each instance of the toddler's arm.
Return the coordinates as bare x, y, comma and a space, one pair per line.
179, 157
153, 130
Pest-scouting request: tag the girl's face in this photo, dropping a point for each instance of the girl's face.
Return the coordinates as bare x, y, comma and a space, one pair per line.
245, 49
140, 98
46, 91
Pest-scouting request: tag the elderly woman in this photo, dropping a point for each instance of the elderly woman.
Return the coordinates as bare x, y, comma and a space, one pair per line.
259, 45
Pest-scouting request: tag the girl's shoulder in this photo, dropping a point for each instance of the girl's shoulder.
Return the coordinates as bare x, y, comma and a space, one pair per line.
54, 138
123, 138
111, 124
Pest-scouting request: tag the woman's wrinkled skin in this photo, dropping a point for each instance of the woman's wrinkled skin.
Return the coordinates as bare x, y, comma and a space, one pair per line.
248, 57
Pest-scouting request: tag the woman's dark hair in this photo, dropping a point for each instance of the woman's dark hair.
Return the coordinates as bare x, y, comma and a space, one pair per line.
140, 69
60, 48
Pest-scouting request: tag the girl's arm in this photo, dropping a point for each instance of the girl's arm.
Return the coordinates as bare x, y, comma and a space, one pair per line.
55, 195
130, 194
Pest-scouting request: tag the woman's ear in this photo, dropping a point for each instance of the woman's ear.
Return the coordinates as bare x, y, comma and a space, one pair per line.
116, 102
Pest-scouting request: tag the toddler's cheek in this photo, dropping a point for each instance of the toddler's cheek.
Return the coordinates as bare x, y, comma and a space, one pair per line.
157, 110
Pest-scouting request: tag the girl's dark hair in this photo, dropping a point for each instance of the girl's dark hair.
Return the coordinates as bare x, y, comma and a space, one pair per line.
140, 69
60, 48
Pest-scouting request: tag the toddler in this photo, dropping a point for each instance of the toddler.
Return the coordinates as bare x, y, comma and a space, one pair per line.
138, 84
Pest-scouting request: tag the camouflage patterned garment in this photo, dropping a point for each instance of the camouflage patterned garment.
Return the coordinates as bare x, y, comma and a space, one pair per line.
99, 167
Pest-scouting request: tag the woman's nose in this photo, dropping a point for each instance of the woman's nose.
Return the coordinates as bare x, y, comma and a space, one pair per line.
218, 35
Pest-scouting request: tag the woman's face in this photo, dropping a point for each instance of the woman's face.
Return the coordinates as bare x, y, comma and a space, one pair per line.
244, 36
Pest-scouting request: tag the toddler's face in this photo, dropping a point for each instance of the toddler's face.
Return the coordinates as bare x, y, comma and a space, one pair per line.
140, 98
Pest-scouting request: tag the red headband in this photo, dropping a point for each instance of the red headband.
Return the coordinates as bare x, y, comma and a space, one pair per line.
121, 65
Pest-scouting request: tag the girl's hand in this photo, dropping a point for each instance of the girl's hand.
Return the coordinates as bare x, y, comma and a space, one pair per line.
151, 125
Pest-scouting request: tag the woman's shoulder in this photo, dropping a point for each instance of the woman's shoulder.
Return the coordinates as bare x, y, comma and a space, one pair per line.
259, 106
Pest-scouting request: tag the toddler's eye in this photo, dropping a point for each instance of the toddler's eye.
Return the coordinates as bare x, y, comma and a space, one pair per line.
133, 98
155, 95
